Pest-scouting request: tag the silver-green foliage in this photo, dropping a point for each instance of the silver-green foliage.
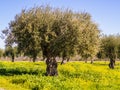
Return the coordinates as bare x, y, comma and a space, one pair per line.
55, 32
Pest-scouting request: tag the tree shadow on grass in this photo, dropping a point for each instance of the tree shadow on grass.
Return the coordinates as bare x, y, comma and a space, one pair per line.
19, 71
100, 64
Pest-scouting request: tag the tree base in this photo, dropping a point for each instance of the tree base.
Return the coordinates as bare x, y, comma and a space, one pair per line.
112, 64
51, 69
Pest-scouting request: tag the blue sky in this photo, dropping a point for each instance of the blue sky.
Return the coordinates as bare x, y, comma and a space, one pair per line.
105, 13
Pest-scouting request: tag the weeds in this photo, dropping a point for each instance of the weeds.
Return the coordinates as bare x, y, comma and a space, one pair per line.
72, 76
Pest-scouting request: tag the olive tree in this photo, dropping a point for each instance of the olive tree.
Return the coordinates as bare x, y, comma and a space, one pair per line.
90, 42
23, 31
54, 33
10, 52
110, 46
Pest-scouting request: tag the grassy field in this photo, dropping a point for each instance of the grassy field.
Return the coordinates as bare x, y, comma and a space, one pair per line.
72, 76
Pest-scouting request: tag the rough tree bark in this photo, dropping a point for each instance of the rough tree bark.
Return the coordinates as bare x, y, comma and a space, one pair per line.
51, 69
34, 59
13, 57
112, 61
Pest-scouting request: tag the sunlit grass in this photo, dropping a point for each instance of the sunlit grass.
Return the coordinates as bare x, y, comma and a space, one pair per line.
72, 76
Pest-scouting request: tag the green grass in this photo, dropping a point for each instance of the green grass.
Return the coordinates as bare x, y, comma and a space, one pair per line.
72, 76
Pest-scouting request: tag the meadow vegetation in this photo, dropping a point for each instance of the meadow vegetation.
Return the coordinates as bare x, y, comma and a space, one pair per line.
72, 76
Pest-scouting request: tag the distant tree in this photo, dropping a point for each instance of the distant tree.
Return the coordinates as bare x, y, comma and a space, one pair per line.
24, 32
90, 42
111, 47
9, 51
118, 43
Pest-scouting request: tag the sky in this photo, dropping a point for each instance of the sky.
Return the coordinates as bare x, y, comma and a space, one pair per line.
106, 13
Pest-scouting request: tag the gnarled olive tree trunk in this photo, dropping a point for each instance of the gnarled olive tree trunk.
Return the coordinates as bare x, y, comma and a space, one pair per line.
112, 61
13, 57
51, 69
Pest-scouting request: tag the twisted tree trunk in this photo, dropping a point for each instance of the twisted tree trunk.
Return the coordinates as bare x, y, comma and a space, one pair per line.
51, 69
13, 57
112, 63
34, 59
